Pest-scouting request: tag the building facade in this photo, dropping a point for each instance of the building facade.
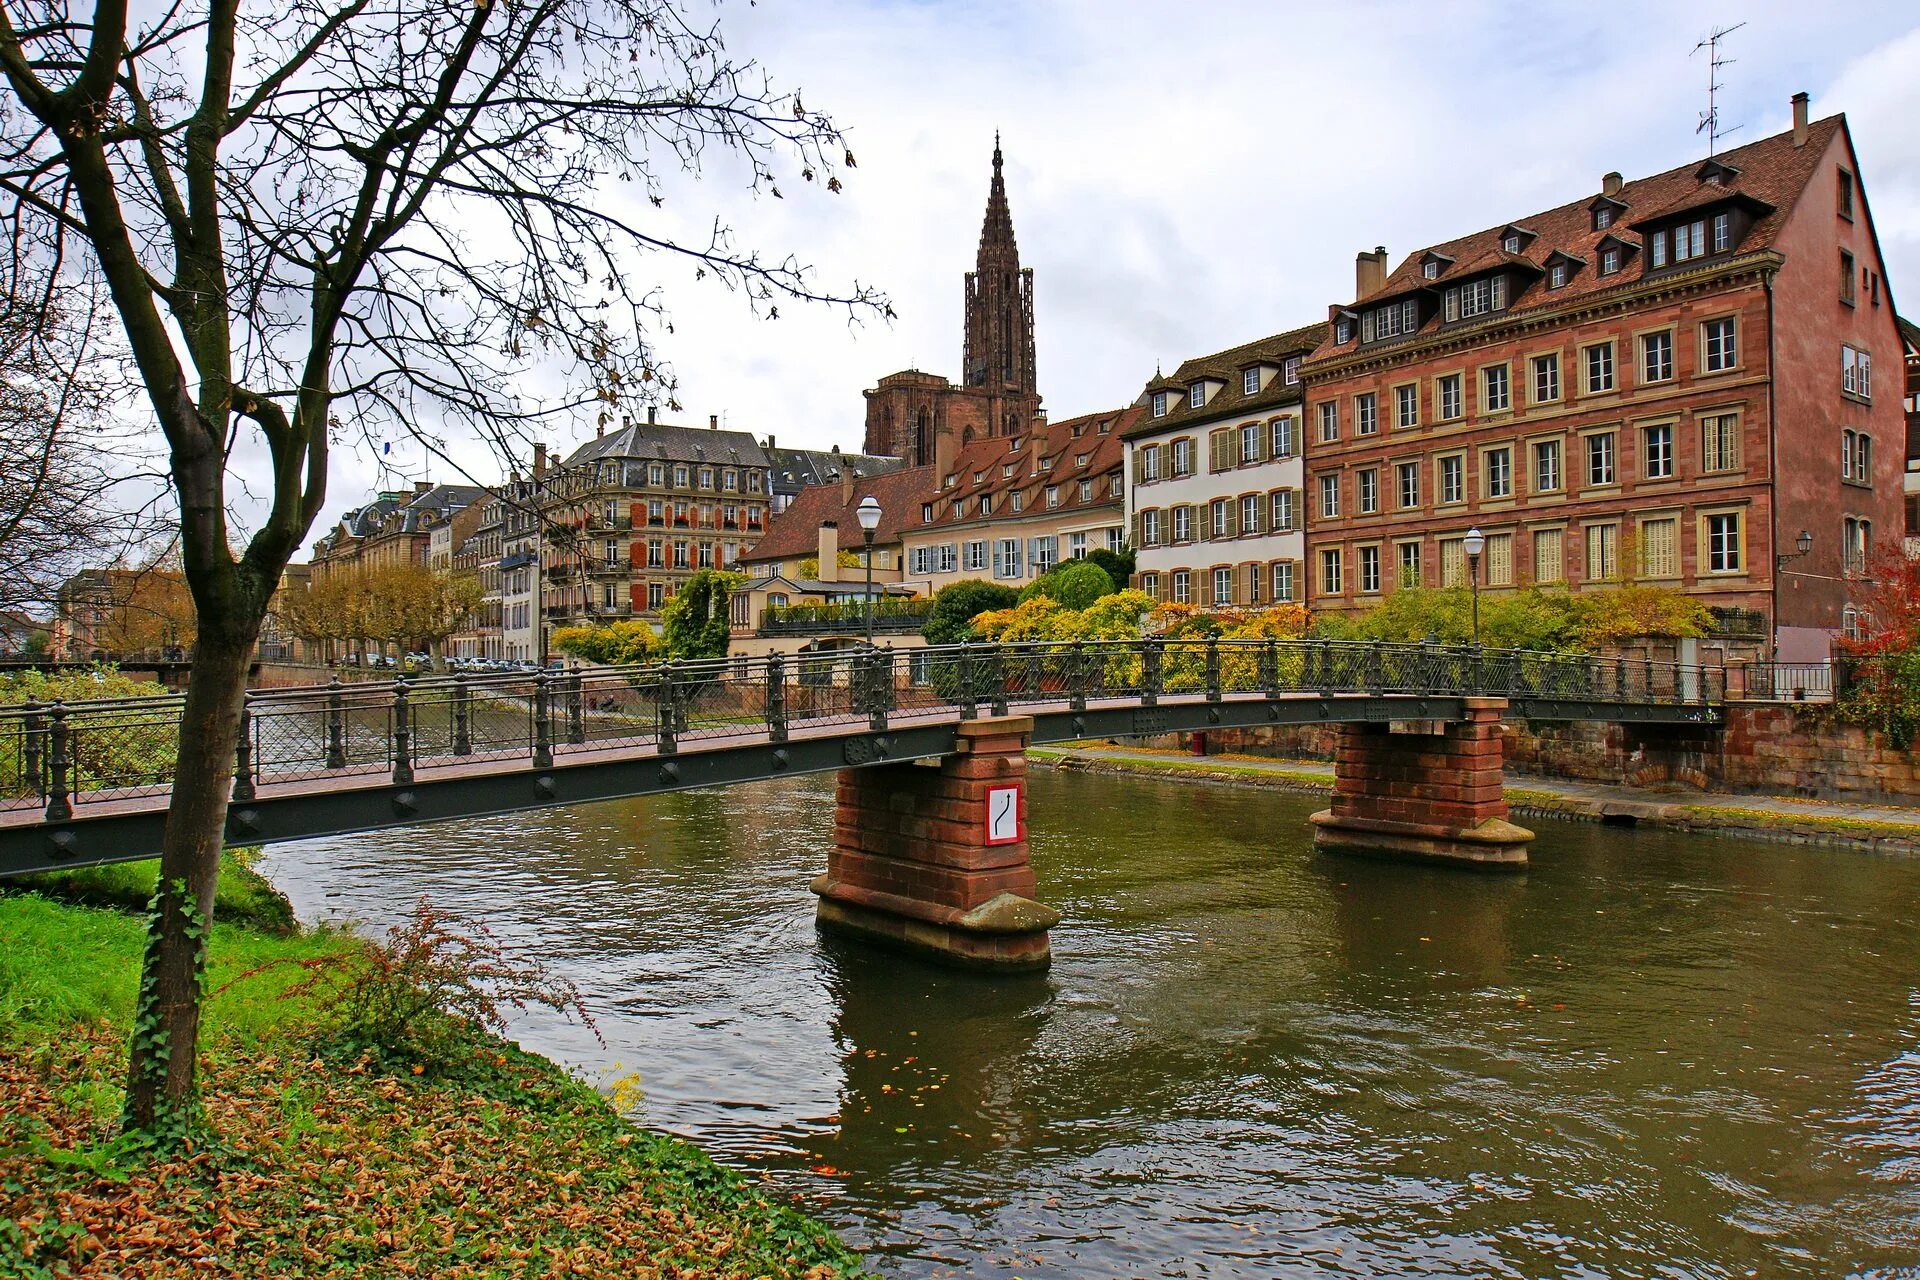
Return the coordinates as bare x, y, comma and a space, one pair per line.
1214, 473
1667, 381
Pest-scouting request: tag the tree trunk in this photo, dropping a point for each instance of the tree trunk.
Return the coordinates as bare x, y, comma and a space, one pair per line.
160, 1073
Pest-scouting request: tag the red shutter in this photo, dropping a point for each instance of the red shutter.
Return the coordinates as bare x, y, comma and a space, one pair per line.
637, 596
636, 553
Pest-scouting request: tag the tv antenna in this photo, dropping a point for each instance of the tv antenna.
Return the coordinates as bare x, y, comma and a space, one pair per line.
1710, 118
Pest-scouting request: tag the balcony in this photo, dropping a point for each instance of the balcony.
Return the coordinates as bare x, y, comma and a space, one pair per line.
518, 560
601, 524
891, 616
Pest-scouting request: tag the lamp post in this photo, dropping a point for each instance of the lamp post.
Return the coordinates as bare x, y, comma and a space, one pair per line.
1804, 544
1473, 544
869, 513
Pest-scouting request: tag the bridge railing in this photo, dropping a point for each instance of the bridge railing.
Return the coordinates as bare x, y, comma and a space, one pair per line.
57, 756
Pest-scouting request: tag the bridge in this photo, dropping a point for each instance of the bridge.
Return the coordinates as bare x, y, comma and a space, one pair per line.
930, 838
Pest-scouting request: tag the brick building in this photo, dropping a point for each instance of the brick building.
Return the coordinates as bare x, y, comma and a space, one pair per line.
1668, 380
924, 418
1214, 476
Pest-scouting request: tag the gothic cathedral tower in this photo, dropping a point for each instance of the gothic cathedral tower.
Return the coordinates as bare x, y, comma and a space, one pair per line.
921, 416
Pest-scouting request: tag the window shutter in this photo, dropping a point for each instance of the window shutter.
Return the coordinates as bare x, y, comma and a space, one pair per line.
1139, 463
1206, 522
637, 596
1216, 452
1233, 519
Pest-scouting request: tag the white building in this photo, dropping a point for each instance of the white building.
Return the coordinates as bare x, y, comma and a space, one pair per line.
1214, 477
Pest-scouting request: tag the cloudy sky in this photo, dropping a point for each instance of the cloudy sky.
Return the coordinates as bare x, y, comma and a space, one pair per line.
1188, 176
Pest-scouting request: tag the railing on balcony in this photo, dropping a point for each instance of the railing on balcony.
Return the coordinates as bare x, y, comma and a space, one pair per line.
1782, 681
890, 616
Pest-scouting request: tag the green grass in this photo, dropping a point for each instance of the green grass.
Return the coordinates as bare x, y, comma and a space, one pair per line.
244, 896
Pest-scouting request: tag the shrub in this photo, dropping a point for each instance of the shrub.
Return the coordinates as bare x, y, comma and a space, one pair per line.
697, 622
126, 755
957, 604
614, 642
1118, 564
419, 996
1625, 613
243, 896
1075, 584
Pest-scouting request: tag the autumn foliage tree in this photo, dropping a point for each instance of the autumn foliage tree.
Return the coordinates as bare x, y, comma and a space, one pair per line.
309, 213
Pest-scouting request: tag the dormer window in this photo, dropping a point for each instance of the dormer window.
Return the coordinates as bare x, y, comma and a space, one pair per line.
1511, 244
1391, 321
1159, 404
1430, 269
1249, 382
1343, 330
1475, 298
1290, 371
1603, 217
1718, 172
1515, 239
1557, 276
1196, 395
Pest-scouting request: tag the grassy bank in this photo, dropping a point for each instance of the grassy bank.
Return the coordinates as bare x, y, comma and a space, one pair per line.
501, 1166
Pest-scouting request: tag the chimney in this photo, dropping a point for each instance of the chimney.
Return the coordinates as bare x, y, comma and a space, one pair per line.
539, 461
829, 552
1369, 272
1800, 119
653, 414
769, 444
1610, 183
421, 486
713, 422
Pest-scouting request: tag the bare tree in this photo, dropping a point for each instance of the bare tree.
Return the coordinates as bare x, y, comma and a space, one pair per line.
319, 211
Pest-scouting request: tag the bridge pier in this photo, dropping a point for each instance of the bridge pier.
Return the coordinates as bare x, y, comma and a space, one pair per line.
1424, 795
932, 857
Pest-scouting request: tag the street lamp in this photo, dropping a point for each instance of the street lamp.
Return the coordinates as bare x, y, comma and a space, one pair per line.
869, 513
1474, 543
1805, 544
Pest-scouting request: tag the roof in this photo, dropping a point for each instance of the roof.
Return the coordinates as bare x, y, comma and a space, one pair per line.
1049, 455
662, 441
1226, 366
1770, 174
795, 469
817, 587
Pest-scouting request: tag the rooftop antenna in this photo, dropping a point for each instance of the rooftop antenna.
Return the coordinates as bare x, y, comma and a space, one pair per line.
1710, 118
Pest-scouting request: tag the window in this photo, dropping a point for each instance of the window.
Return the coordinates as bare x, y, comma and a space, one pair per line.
1496, 395
706, 477
1498, 466
1343, 329
1600, 368
1085, 491
1077, 546
1430, 269
656, 595
1603, 217
1856, 457
1249, 382
656, 554
1660, 548
1250, 506
1006, 558
926, 513
1453, 562
680, 555
1182, 586
1546, 378
1329, 422
730, 481
1390, 321
1656, 356
1656, 451
1150, 584
1511, 244
1223, 585
977, 551
986, 503
1546, 466
1366, 414
1451, 405
1044, 550
1603, 552
1722, 232
1196, 395
1846, 277
1720, 442
1222, 452
1549, 560
1856, 544
1159, 404
1330, 572
1369, 564
1557, 275
1053, 496
1281, 500
1845, 191
1600, 468
1283, 580
1149, 464
681, 477
1250, 439
1367, 487
1407, 476
753, 482
1290, 371
1720, 344
1475, 298
1453, 479
1609, 260
1856, 372
1406, 406
1723, 542
1329, 497
1183, 524
1499, 557
1183, 456
1409, 565
1283, 441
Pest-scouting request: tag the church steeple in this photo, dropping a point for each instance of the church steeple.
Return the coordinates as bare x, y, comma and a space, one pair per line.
998, 356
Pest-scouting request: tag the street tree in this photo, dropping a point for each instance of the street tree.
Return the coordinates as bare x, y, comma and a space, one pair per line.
311, 213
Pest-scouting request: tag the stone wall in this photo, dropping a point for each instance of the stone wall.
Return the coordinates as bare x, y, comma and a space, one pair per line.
1764, 748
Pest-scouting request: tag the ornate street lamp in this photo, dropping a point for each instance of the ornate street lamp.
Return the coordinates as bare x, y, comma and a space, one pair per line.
1474, 543
869, 513
1805, 544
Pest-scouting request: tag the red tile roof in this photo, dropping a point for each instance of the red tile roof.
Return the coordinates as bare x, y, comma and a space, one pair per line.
1771, 174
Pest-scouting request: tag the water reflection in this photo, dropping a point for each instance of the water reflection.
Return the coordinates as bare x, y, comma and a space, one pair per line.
1651, 1055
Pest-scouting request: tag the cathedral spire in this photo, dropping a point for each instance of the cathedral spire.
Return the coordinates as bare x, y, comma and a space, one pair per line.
998, 356
997, 248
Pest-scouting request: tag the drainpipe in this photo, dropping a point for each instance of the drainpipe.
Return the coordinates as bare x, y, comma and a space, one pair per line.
1773, 474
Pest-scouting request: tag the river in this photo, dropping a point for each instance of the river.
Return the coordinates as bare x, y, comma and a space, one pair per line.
1652, 1055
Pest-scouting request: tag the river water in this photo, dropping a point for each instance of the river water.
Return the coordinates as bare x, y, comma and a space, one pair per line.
1653, 1055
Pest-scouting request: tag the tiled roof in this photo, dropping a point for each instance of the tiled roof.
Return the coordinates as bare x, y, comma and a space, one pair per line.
662, 441
1226, 366
795, 469
1771, 174
902, 494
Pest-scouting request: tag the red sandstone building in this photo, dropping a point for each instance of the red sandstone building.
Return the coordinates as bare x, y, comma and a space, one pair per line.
1671, 380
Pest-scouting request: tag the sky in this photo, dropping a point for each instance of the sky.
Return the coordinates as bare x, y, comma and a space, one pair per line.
1185, 177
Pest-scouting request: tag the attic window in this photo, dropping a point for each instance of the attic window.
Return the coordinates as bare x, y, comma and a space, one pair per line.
1196, 395
1343, 330
1603, 217
1081, 460
1006, 469
1430, 269
1511, 244
946, 481
1159, 404
1290, 371
1557, 276
926, 513
1249, 382
1610, 260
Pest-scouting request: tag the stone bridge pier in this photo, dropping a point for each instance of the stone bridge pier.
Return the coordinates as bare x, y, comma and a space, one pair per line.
931, 855
1424, 792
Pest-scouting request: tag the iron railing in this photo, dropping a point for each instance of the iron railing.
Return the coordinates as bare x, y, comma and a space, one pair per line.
1782, 681
61, 755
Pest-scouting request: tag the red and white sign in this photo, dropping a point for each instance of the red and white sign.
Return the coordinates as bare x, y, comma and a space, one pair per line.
1003, 816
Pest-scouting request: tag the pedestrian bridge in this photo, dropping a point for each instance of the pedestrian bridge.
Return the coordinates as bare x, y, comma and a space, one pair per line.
87, 782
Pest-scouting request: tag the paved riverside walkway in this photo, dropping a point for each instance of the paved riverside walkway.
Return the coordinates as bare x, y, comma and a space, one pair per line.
1879, 828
